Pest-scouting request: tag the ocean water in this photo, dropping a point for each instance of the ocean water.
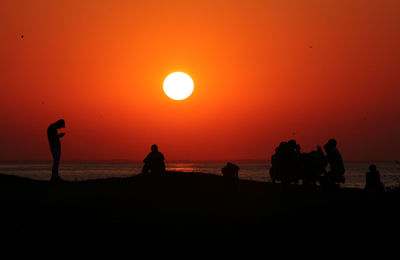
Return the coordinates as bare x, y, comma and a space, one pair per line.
77, 171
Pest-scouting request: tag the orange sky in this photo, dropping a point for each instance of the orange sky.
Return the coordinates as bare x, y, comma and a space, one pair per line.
100, 66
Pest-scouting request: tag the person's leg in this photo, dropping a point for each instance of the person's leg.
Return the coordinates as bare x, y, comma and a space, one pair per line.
326, 180
337, 177
145, 169
56, 152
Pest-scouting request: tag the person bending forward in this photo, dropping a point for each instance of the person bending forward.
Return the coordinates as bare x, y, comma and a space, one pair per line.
55, 146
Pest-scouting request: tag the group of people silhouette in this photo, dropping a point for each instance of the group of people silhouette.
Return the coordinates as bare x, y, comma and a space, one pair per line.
288, 164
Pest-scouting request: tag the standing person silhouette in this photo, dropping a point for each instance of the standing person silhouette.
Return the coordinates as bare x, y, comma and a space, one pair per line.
154, 162
55, 146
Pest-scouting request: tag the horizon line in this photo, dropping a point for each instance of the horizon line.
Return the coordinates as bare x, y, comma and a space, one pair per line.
174, 161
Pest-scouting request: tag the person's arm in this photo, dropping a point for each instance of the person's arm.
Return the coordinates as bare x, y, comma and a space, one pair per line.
61, 135
378, 177
146, 160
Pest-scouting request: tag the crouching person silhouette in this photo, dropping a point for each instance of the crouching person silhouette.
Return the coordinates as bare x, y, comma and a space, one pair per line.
373, 180
231, 172
55, 146
154, 162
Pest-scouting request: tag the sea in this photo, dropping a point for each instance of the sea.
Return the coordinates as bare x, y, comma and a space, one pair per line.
80, 171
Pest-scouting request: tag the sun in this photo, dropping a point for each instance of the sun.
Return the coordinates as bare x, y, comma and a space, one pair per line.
178, 85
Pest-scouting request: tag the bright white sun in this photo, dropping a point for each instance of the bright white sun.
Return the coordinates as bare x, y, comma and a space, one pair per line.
178, 85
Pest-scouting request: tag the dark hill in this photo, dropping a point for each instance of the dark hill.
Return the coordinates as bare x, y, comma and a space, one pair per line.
115, 218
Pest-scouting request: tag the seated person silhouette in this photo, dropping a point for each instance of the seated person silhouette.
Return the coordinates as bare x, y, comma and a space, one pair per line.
231, 172
286, 163
55, 146
313, 166
298, 149
373, 180
335, 161
154, 162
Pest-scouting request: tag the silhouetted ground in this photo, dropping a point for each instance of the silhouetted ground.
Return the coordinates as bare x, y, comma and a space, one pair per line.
190, 214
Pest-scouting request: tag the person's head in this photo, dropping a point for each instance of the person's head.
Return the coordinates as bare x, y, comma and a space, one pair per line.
372, 168
331, 144
292, 144
154, 148
60, 123
283, 146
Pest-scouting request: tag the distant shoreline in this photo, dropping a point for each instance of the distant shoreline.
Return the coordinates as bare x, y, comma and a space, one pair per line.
179, 161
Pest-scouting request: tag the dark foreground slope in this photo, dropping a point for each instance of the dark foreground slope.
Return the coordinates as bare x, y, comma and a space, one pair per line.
117, 218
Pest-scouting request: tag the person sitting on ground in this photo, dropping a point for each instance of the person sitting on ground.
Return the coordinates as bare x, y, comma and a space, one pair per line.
231, 172
314, 164
294, 161
279, 165
298, 149
292, 144
373, 180
273, 171
335, 161
154, 162
285, 163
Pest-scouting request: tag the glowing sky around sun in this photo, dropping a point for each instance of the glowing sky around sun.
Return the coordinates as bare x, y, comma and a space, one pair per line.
263, 71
